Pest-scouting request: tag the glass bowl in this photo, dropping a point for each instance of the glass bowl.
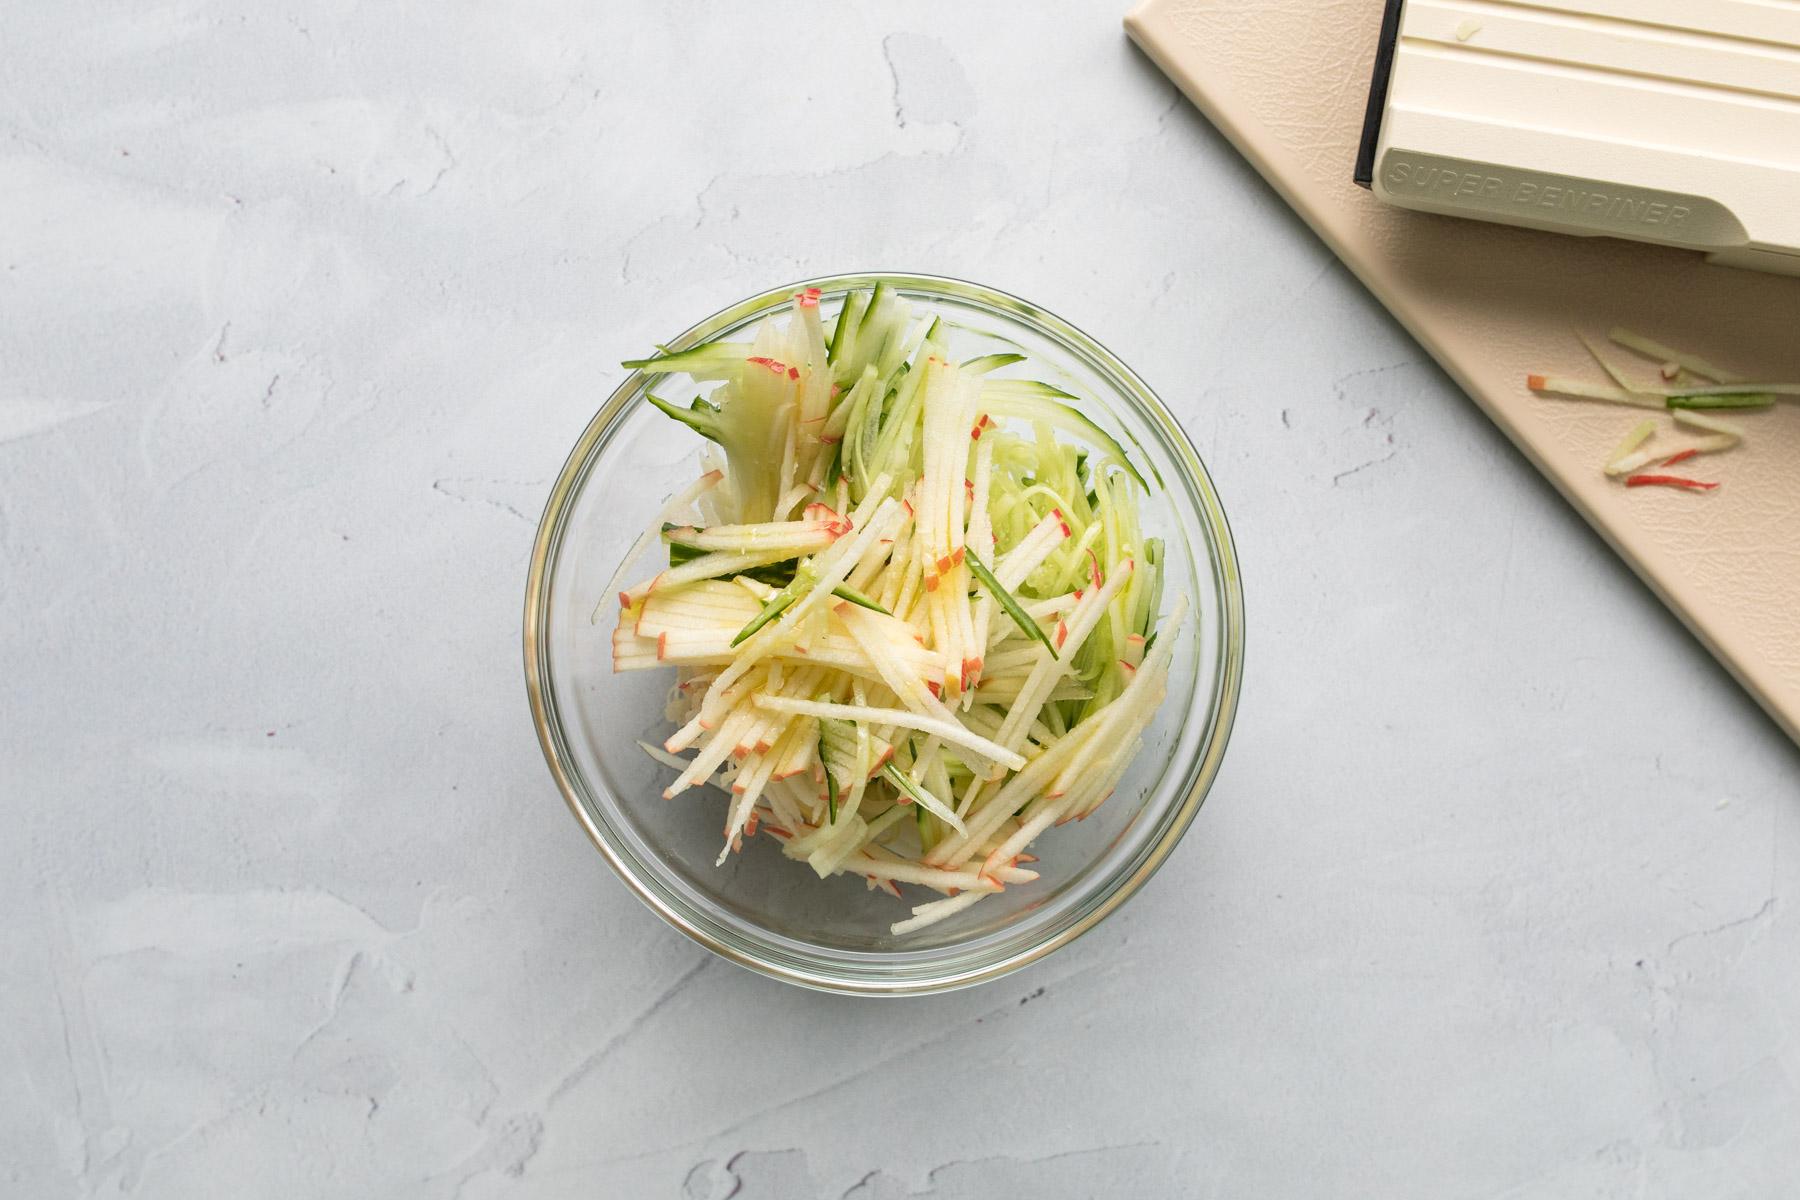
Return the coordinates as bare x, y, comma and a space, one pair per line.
775, 915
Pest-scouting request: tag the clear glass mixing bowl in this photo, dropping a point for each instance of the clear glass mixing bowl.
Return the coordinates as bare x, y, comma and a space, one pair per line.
772, 914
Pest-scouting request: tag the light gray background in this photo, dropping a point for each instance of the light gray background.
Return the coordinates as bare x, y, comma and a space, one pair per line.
301, 305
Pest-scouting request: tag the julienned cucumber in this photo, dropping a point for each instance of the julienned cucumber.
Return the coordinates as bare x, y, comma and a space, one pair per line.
1723, 400
1035, 401
991, 362
714, 360
701, 417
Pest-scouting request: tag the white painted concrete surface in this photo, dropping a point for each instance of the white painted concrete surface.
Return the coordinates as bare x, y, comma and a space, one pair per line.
301, 305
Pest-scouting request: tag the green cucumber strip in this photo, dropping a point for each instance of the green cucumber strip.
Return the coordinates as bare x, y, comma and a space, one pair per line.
857, 439
844, 591
868, 441
878, 301
702, 418
715, 360
831, 789
838, 736
1153, 561
1010, 606
894, 379
1724, 400
778, 603
849, 316
900, 349
848, 404
1041, 402
837, 755
991, 362
898, 778
1035, 389
900, 410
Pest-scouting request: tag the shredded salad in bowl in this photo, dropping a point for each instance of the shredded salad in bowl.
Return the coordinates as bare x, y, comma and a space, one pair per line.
912, 616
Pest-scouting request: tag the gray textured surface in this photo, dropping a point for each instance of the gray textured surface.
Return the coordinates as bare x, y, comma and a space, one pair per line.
300, 307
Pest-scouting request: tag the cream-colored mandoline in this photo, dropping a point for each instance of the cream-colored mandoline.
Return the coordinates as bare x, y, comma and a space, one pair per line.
1287, 81
1667, 121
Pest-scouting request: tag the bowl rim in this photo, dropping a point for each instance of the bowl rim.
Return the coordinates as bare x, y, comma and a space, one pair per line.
1225, 692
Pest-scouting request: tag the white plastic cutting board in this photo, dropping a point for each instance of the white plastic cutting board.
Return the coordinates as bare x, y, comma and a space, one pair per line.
1286, 81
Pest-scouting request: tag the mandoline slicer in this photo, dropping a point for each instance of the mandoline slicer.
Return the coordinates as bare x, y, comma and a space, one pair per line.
1669, 121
